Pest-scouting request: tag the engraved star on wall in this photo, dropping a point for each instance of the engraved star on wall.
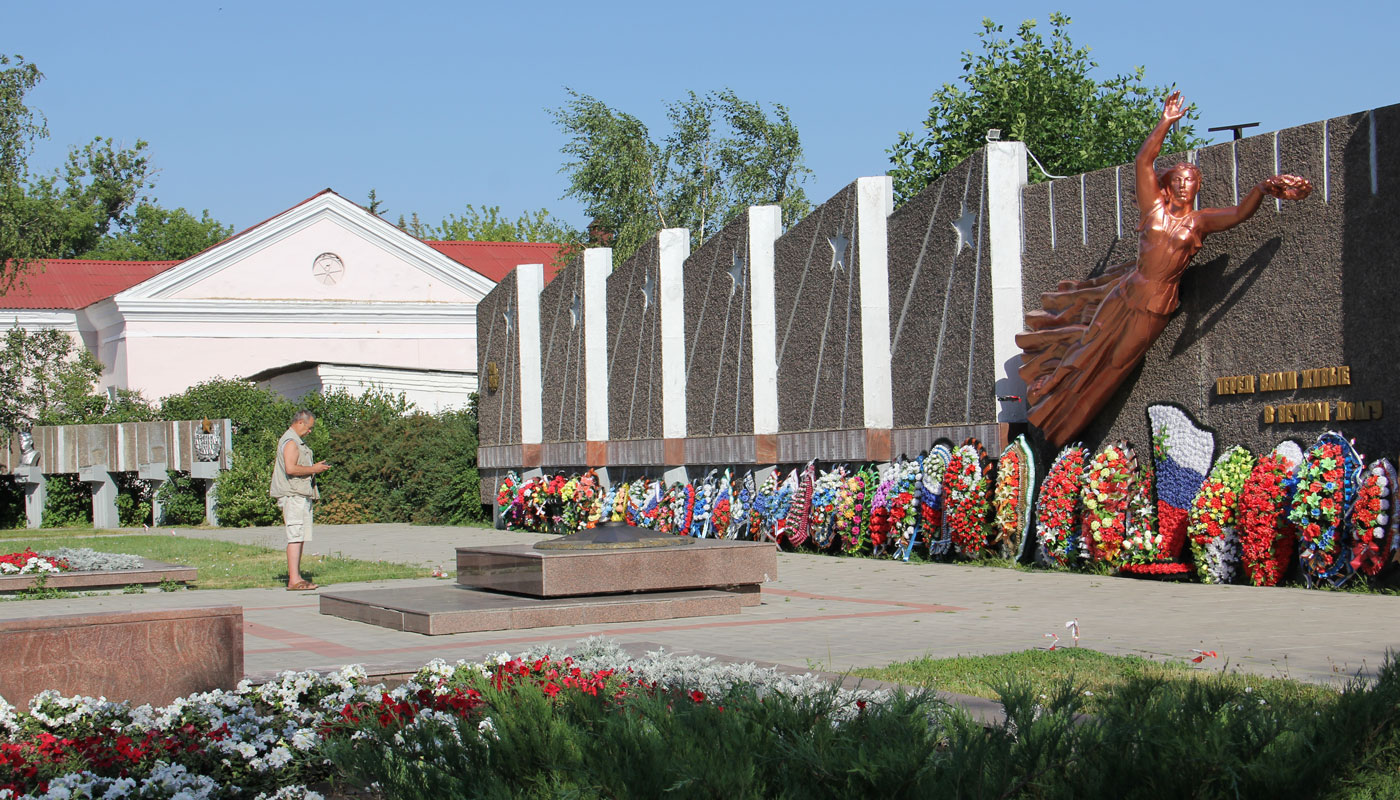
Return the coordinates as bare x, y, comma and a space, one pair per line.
840, 243
648, 292
736, 273
964, 225
575, 311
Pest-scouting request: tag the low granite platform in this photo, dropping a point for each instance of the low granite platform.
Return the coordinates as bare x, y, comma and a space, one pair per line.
139, 656
438, 610
151, 573
699, 564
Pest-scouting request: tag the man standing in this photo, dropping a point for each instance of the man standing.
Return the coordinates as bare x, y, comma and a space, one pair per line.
294, 487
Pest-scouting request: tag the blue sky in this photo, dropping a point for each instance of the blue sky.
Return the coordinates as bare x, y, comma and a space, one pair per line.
250, 107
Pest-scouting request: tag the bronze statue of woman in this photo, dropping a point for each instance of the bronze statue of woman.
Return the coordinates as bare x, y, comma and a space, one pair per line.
1091, 334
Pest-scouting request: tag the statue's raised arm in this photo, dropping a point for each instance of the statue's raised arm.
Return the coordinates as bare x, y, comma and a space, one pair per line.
1091, 333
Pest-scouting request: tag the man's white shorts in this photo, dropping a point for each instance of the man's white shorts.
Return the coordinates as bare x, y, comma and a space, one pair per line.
296, 513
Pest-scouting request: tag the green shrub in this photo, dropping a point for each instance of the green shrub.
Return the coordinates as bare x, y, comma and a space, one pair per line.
67, 502
181, 499
11, 503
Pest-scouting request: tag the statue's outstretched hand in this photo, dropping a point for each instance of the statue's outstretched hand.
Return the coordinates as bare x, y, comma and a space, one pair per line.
1174, 109
1287, 187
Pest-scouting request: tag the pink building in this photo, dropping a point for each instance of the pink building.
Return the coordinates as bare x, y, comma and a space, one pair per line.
322, 295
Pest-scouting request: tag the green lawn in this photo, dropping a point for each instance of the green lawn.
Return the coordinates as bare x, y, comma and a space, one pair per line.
221, 565
1089, 670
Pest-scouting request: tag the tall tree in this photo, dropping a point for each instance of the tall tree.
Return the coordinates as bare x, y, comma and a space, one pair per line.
487, 224
1036, 92
46, 378
721, 155
92, 196
24, 232
153, 233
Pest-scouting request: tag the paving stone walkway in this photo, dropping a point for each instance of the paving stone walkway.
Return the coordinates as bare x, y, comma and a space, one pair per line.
823, 613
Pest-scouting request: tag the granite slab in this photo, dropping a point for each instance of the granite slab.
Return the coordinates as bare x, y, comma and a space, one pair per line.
698, 564
137, 656
151, 573
439, 610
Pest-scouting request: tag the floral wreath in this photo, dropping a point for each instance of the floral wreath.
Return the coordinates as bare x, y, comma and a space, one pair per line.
879, 523
1011, 501
1057, 510
1215, 515
1109, 484
1142, 547
764, 499
904, 506
721, 510
775, 516
1373, 524
966, 493
799, 514
505, 495
1327, 483
704, 503
850, 512
826, 492
1182, 454
1266, 535
931, 499
741, 503
636, 498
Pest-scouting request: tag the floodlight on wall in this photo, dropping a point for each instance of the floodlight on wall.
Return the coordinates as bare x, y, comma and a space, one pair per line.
994, 134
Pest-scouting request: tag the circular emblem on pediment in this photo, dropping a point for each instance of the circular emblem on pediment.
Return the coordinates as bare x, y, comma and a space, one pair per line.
328, 268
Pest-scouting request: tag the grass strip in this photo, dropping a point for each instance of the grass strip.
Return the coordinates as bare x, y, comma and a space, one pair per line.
1097, 675
229, 565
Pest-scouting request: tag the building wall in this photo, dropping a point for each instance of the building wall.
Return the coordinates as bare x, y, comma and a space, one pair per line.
719, 344
634, 346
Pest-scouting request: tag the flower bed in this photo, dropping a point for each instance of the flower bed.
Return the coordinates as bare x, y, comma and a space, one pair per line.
272, 740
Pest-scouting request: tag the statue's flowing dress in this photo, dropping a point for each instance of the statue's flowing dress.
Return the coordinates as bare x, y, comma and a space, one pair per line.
1092, 333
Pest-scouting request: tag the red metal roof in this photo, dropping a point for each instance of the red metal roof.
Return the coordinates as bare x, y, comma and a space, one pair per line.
495, 259
77, 283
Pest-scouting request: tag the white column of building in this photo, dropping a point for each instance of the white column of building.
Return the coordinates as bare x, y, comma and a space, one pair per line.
597, 265
675, 247
765, 225
874, 202
529, 282
1006, 177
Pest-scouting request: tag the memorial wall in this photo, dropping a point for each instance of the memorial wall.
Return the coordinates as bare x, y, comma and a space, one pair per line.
863, 333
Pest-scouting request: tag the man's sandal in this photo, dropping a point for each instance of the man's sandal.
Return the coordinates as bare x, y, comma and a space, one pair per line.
303, 586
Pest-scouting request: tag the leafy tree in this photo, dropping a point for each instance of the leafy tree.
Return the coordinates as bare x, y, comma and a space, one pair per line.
488, 225
721, 155
91, 197
1036, 92
24, 232
46, 378
157, 234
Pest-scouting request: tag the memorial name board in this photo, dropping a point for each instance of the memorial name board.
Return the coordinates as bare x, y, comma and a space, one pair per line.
1319, 378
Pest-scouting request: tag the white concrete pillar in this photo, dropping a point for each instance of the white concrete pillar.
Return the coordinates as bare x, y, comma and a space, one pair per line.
1006, 177
597, 265
675, 247
529, 282
765, 225
156, 475
874, 203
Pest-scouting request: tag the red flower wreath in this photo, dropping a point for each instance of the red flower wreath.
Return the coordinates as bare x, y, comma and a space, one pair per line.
1371, 529
966, 488
1266, 535
1057, 512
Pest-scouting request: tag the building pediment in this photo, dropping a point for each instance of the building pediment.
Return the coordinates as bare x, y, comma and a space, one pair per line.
326, 250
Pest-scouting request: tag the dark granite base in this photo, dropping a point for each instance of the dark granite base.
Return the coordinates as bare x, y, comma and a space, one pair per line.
437, 610
151, 573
